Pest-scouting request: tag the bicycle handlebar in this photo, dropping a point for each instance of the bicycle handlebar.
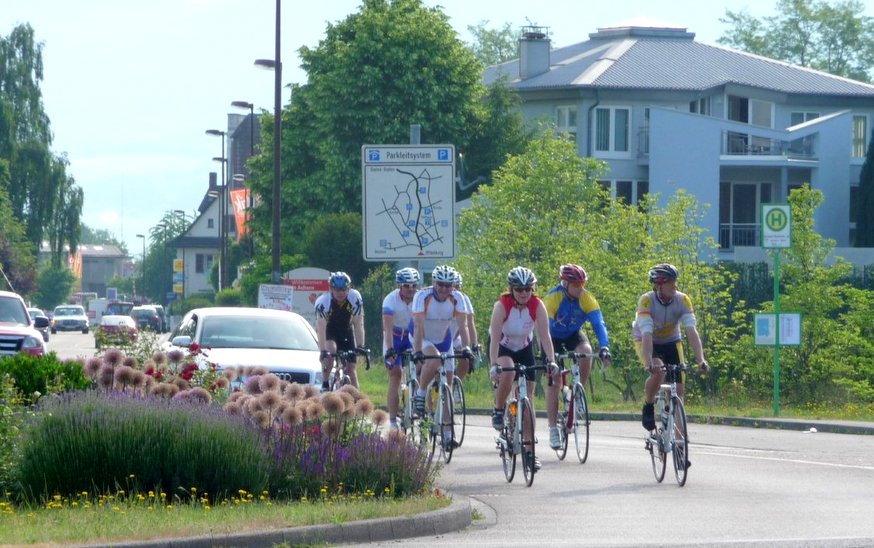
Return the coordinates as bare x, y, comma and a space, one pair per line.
350, 355
574, 356
519, 369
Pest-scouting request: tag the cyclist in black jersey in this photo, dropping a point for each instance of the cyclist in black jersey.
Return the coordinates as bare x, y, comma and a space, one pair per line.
339, 324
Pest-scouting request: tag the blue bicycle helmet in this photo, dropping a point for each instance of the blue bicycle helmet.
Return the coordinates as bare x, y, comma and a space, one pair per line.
339, 280
407, 276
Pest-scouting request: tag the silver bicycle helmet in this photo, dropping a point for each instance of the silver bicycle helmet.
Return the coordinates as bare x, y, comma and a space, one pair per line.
520, 277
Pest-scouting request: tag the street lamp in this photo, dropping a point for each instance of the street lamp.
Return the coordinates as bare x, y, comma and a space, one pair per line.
222, 211
143, 266
276, 65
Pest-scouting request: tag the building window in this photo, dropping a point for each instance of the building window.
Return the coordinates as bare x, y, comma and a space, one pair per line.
612, 129
700, 106
210, 223
198, 263
803, 146
860, 134
629, 192
566, 120
739, 205
855, 194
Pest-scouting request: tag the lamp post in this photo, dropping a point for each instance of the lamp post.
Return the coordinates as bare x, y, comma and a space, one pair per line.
251, 205
276, 65
222, 211
143, 266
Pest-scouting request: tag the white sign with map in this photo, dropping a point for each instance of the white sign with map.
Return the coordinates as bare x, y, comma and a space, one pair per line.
408, 201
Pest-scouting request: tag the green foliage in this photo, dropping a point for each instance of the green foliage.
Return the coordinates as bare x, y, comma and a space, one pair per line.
836, 38
333, 242
228, 297
181, 307
493, 46
17, 259
35, 376
379, 283
260, 271
55, 285
11, 417
87, 442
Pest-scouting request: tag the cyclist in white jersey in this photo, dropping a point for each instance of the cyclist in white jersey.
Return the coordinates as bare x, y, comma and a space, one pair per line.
433, 310
397, 321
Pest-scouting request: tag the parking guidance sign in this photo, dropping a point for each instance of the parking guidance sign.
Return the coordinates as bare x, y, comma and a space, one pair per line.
408, 201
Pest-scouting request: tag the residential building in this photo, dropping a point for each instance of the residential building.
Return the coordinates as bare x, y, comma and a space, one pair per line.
667, 112
94, 265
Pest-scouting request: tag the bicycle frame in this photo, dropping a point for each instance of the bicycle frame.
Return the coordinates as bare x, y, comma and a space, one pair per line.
517, 403
575, 418
442, 409
337, 377
671, 434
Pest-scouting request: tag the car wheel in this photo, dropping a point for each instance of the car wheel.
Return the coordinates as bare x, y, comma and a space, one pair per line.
54, 331
85, 331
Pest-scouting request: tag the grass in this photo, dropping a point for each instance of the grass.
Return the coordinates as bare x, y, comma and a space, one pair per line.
115, 518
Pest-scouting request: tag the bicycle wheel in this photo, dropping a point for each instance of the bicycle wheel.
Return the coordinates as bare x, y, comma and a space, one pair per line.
508, 453
680, 443
562, 423
411, 424
447, 428
656, 449
459, 410
528, 460
581, 423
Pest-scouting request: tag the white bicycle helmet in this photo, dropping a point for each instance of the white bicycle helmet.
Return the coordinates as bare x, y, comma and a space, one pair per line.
407, 276
444, 273
521, 277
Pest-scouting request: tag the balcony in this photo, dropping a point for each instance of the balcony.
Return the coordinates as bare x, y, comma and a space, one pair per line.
748, 144
732, 235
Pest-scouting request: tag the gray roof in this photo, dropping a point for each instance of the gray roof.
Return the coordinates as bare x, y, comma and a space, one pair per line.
668, 58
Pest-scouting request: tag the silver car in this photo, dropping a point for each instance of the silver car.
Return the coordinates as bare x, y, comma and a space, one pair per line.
282, 342
69, 317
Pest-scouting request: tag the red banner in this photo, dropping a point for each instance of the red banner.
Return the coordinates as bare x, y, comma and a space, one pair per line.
240, 201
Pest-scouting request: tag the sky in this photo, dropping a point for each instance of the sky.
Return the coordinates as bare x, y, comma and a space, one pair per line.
132, 86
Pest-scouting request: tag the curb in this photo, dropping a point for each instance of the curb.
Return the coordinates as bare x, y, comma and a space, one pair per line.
454, 517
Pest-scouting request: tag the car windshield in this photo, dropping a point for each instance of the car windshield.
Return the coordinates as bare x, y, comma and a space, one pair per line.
11, 311
141, 313
69, 311
255, 332
119, 309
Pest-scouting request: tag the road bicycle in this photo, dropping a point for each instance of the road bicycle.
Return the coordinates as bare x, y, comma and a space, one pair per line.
338, 378
518, 419
440, 409
573, 407
459, 410
671, 435
410, 422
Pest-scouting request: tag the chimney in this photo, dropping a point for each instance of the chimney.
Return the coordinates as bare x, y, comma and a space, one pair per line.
533, 52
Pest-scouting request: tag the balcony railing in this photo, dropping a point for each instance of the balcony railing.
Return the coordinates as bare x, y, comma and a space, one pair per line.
732, 235
747, 144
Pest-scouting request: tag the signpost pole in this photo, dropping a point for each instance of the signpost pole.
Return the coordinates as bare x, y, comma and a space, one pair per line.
776, 332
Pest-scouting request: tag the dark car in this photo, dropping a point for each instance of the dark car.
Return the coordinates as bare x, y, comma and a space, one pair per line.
38, 313
165, 319
146, 317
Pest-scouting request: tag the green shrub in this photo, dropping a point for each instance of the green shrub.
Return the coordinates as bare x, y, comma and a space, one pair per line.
88, 441
11, 416
228, 297
37, 375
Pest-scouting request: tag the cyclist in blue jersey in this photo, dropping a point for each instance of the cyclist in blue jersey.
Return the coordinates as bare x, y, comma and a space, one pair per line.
569, 306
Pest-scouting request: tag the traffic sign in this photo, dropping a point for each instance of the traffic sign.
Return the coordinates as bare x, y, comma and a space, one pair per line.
408, 201
776, 226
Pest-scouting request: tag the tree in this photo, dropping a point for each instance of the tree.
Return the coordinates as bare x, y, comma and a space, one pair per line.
493, 46
865, 206
41, 194
55, 285
387, 66
100, 236
835, 38
343, 233
17, 256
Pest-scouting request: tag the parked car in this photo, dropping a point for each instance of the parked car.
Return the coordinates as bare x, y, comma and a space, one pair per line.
146, 317
115, 330
165, 319
118, 308
282, 342
34, 314
17, 332
69, 317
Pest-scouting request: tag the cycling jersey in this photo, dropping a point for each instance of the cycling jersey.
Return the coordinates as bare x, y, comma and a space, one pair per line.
339, 315
516, 332
402, 320
567, 315
437, 316
662, 320
468, 307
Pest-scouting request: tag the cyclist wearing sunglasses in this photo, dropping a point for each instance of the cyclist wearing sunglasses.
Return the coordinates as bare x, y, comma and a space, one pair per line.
517, 314
656, 331
397, 320
434, 308
339, 324
569, 306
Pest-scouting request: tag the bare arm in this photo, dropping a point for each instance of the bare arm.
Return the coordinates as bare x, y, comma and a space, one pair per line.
695, 343
542, 326
646, 350
321, 330
358, 329
418, 331
495, 326
387, 326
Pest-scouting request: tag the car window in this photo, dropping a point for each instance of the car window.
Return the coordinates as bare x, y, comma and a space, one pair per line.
69, 311
248, 332
12, 311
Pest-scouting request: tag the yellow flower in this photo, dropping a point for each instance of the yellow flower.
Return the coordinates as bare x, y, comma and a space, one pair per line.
168, 507
131, 476
57, 497
207, 508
